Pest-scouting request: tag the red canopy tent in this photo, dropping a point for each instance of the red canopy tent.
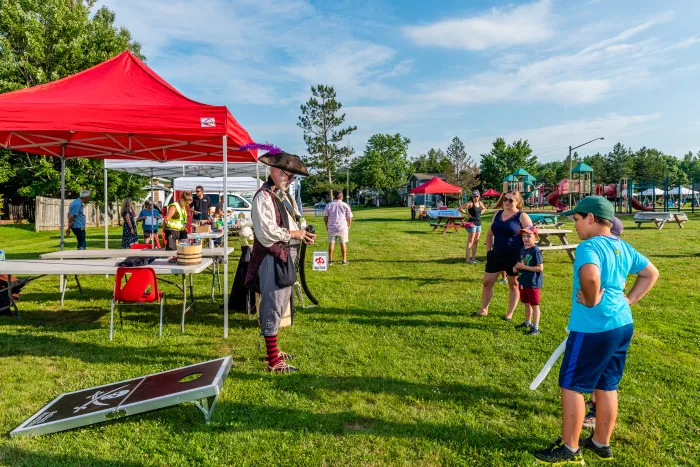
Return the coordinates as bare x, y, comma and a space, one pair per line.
121, 109
436, 186
490, 193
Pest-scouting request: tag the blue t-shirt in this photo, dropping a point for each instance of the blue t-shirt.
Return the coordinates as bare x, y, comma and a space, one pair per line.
147, 213
530, 257
76, 209
616, 259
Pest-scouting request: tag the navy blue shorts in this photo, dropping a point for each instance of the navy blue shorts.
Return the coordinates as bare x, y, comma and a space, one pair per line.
595, 360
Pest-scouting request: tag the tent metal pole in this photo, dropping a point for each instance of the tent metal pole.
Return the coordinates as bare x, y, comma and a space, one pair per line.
152, 208
257, 173
225, 239
63, 195
106, 215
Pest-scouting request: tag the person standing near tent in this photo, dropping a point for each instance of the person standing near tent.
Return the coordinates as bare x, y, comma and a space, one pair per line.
76, 218
175, 220
503, 245
475, 208
277, 239
130, 234
149, 215
200, 206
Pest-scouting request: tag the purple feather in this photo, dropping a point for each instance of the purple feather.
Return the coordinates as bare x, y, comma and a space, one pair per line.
271, 149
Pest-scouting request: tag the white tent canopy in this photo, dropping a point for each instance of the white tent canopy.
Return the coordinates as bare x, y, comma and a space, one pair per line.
216, 184
652, 192
175, 169
683, 191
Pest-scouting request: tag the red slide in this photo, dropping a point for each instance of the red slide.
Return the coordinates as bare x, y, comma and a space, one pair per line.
637, 205
553, 200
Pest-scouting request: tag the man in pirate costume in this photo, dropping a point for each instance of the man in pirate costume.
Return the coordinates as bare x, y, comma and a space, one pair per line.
277, 235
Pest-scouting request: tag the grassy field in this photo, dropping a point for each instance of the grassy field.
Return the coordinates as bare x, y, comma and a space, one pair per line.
394, 371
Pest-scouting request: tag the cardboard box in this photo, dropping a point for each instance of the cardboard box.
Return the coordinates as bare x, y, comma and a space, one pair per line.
205, 228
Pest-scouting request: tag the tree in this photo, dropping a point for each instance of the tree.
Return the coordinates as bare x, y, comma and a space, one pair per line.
619, 164
493, 165
597, 163
41, 41
434, 161
323, 135
464, 171
384, 166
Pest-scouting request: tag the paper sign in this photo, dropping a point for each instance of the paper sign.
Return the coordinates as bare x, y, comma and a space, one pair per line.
207, 122
320, 261
2, 255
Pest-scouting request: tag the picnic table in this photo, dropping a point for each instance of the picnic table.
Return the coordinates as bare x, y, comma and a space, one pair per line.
450, 220
36, 268
216, 254
211, 236
545, 219
546, 245
660, 218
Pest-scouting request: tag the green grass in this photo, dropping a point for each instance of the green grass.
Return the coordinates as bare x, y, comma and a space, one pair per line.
394, 372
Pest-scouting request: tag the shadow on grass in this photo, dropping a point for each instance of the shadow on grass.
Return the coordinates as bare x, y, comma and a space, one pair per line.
420, 281
458, 260
20, 457
403, 322
375, 313
39, 345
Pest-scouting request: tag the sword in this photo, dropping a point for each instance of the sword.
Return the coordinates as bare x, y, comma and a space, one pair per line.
550, 363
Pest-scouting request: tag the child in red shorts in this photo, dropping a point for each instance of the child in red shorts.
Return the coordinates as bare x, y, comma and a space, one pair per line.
529, 270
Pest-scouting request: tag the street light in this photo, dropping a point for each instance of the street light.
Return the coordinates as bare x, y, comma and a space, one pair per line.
571, 163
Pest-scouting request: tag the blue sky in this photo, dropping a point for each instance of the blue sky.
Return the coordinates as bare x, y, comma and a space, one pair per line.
554, 72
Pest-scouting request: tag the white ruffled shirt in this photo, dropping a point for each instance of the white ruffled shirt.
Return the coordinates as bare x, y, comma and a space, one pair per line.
266, 229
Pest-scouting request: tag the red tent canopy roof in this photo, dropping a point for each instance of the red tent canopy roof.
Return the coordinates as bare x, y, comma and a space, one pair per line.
491, 192
436, 186
118, 109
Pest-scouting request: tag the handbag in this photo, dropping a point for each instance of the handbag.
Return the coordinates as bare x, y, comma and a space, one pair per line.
285, 272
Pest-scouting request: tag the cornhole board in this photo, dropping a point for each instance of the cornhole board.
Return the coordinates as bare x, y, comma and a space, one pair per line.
131, 397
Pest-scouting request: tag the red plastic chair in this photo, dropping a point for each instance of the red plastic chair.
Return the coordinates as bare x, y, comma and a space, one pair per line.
165, 239
141, 287
140, 246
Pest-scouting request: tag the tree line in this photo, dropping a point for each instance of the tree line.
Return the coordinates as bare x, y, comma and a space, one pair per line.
384, 166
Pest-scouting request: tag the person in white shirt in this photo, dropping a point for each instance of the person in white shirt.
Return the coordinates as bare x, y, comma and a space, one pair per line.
338, 217
277, 236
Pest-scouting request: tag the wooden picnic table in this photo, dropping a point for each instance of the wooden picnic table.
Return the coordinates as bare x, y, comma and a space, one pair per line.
545, 244
660, 218
450, 221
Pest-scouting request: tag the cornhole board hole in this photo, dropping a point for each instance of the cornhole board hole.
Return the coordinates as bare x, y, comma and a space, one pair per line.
194, 383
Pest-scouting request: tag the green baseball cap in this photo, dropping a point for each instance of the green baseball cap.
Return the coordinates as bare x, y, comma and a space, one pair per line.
596, 205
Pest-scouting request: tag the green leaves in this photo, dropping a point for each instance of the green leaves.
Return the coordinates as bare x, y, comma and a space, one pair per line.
384, 166
42, 41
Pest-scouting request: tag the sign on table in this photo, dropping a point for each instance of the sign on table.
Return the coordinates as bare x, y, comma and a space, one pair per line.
320, 262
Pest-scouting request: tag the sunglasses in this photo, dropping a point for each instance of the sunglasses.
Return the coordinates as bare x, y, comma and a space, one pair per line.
289, 176
509, 200
199, 191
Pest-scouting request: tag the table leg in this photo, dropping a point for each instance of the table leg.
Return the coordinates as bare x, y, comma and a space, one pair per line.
63, 289
564, 241
544, 241
80, 288
213, 278
194, 303
184, 304
571, 255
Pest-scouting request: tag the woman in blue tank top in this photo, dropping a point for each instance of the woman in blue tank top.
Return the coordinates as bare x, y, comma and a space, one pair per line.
503, 245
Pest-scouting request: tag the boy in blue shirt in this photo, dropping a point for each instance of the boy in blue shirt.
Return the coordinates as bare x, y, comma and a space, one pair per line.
149, 213
600, 328
529, 270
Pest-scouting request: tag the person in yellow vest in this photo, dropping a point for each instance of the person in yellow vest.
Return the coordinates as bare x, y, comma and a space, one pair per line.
175, 220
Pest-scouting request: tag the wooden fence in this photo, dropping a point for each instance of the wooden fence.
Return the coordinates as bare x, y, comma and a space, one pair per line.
48, 213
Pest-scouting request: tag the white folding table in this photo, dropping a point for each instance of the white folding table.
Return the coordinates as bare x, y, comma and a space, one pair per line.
36, 268
216, 254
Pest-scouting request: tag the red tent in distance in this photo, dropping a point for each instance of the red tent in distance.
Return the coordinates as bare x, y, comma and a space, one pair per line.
490, 193
436, 186
119, 109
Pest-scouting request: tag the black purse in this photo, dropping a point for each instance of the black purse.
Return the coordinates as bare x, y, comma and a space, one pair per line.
285, 272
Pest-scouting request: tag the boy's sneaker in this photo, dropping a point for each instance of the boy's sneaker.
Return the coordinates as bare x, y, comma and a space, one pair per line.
523, 325
558, 454
282, 367
589, 419
533, 331
503, 281
346, 262
604, 453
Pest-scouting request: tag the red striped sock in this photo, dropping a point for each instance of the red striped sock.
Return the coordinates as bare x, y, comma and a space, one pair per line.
273, 354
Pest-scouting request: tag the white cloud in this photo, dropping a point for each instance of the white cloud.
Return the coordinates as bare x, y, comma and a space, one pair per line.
500, 27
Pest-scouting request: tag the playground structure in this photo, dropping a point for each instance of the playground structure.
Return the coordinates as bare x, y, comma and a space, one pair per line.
521, 180
578, 187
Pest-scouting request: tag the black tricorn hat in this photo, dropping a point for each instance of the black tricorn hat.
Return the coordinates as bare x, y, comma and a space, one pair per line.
288, 162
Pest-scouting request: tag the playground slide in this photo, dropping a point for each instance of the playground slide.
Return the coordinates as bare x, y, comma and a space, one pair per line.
553, 200
638, 206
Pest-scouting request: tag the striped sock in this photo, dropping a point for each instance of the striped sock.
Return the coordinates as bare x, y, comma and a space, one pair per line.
273, 354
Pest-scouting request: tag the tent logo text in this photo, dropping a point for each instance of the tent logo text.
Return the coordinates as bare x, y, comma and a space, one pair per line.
207, 122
